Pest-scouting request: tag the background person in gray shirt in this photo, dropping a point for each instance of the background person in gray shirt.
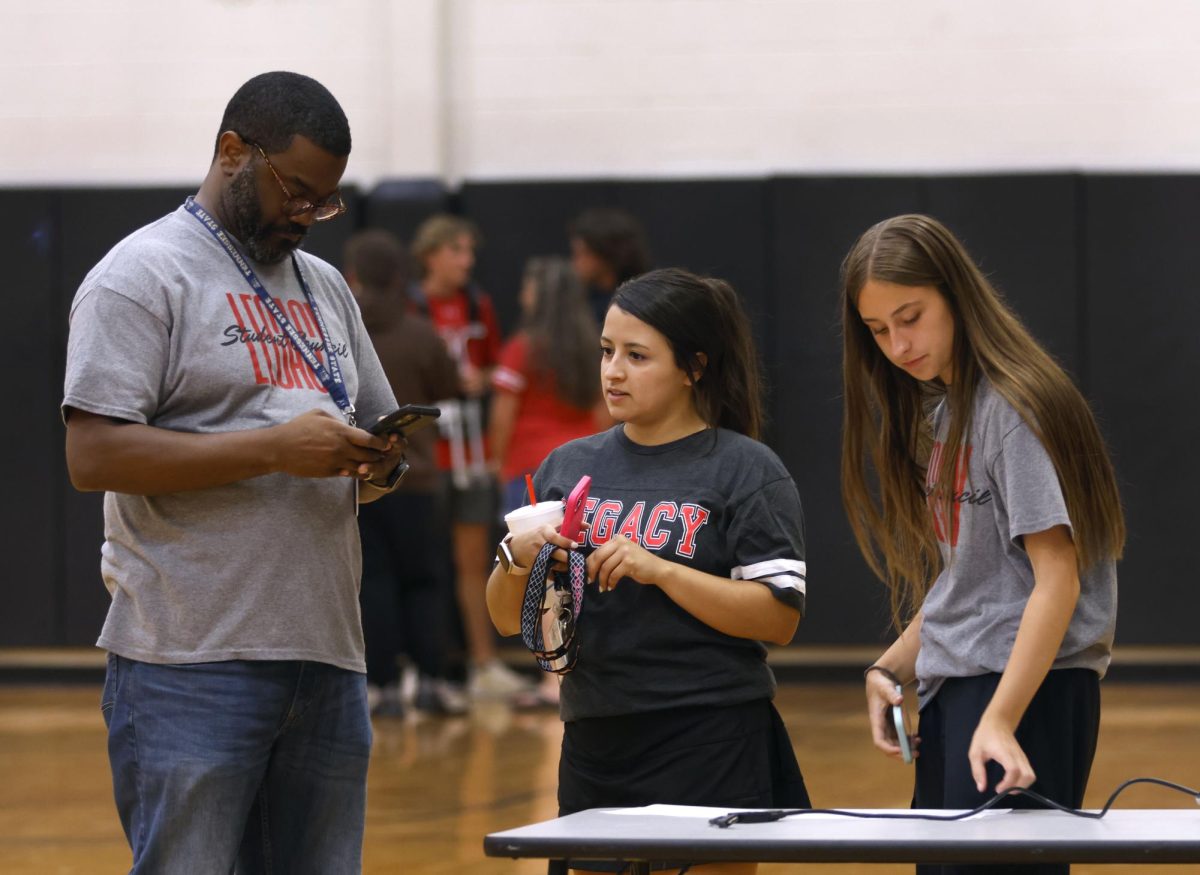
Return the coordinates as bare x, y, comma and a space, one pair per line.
996, 523
235, 699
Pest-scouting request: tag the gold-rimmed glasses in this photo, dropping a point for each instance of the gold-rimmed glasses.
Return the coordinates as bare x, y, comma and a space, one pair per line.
295, 206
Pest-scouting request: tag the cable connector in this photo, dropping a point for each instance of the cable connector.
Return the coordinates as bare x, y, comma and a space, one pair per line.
769, 816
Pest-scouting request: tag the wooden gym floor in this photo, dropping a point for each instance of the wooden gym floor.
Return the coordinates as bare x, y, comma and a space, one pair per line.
438, 785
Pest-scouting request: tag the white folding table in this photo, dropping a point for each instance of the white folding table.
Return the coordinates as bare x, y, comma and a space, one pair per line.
684, 834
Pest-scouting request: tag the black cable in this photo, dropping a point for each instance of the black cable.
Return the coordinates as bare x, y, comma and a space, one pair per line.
727, 820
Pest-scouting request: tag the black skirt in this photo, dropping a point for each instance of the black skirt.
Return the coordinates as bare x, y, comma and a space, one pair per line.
733, 757
738, 756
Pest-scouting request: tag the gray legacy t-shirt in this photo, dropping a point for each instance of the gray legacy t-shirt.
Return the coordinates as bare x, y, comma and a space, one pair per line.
165, 331
1008, 488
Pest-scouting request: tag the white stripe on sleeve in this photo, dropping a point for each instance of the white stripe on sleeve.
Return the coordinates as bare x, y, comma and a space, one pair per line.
759, 570
779, 573
507, 378
784, 581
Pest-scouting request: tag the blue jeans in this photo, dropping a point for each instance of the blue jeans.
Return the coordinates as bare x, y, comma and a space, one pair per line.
262, 765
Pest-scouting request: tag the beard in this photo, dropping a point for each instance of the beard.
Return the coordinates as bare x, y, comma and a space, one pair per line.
243, 213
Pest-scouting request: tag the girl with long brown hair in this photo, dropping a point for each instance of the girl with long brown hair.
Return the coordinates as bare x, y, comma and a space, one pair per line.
980, 491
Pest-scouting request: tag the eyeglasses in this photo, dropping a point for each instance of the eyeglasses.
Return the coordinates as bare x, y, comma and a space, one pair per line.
294, 207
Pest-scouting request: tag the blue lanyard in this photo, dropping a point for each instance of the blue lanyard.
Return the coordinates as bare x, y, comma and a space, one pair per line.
331, 377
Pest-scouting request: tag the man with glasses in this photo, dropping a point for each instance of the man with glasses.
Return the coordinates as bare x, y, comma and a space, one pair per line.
216, 377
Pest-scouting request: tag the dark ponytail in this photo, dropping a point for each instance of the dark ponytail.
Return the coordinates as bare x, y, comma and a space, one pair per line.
709, 333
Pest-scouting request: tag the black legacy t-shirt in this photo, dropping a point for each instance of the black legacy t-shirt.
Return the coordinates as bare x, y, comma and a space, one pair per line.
716, 501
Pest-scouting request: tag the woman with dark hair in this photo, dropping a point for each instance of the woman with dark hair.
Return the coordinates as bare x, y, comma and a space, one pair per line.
695, 551
994, 520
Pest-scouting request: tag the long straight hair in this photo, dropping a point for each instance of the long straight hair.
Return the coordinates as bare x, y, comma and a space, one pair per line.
709, 334
562, 331
886, 430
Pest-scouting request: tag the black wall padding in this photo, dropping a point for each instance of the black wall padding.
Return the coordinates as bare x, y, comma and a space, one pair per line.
712, 227
715, 227
400, 206
1142, 267
1101, 268
30, 583
91, 222
813, 224
1024, 232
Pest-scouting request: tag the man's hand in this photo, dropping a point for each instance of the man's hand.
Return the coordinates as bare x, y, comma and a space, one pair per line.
318, 444
378, 472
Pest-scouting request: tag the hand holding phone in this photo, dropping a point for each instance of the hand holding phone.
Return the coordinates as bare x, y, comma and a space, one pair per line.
405, 421
572, 524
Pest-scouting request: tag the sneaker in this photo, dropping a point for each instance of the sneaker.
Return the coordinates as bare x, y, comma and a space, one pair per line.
374, 697
385, 701
409, 678
496, 681
436, 696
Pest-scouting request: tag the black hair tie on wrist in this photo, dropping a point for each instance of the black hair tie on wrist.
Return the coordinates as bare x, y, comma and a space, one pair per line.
883, 671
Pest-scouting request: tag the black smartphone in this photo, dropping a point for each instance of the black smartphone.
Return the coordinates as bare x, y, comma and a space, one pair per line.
406, 420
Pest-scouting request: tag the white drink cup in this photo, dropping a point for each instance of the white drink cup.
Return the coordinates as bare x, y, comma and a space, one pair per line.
533, 516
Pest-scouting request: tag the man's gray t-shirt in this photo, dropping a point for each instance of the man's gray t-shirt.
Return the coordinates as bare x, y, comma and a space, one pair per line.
166, 332
1007, 489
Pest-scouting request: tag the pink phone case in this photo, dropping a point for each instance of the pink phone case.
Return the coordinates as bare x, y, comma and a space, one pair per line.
572, 525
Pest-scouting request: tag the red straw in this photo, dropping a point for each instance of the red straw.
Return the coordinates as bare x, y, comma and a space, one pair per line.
529, 486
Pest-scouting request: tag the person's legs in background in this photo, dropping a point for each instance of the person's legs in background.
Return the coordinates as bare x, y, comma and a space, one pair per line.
546, 694
472, 517
380, 601
425, 592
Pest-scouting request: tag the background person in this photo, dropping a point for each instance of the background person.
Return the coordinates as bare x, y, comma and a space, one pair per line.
546, 391
404, 581
444, 252
608, 247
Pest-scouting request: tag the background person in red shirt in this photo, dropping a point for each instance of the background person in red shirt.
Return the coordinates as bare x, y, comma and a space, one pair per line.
444, 252
547, 390
547, 384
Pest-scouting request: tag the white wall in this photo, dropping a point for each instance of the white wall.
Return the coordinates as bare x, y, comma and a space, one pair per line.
131, 91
